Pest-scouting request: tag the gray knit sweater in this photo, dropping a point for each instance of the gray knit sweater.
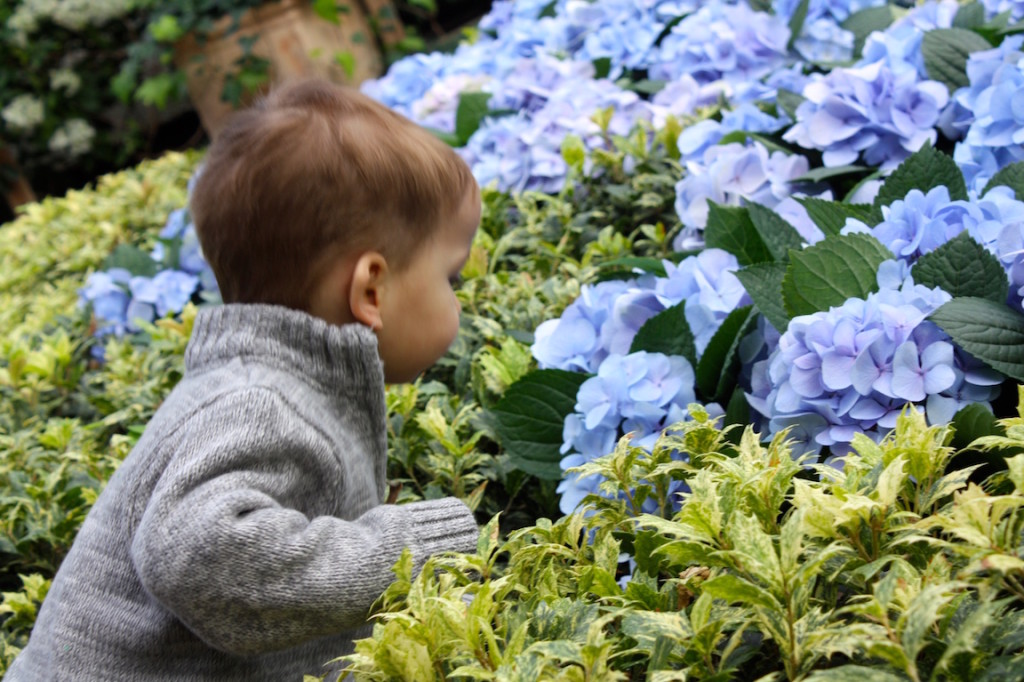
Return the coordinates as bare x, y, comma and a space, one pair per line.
244, 537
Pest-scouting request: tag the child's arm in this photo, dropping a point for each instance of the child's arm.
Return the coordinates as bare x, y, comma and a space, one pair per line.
233, 546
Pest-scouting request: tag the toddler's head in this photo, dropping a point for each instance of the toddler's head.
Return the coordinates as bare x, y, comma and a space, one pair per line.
323, 200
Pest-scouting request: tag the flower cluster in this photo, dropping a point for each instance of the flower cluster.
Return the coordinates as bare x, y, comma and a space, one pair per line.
899, 46
607, 316
853, 368
991, 109
919, 223
73, 138
1014, 7
869, 112
523, 152
732, 43
119, 300
639, 393
729, 174
23, 113
71, 14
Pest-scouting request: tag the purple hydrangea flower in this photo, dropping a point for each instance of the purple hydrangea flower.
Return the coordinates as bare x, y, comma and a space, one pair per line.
916, 224
606, 317
1014, 7
640, 393
107, 293
899, 46
992, 108
868, 113
853, 368
723, 42
729, 174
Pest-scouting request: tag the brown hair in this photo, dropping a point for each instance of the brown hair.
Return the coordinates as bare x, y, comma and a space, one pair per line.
314, 171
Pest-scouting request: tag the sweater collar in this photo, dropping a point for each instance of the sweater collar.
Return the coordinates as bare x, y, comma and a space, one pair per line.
336, 357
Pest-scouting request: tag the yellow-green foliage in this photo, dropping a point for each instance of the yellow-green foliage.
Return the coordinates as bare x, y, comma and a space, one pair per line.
890, 568
48, 250
66, 422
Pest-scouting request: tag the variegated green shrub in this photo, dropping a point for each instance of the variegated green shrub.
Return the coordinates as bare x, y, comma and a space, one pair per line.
892, 567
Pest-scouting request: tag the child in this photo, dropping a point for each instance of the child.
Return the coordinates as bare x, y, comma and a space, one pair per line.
245, 537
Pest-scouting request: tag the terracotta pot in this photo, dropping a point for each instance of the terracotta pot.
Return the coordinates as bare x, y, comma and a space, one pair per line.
16, 189
295, 41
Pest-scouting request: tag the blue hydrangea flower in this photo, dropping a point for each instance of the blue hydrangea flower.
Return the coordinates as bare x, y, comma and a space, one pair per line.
992, 108
1014, 7
153, 297
406, 81
899, 46
570, 342
640, 393
623, 31
920, 223
723, 42
868, 113
523, 152
729, 174
916, 224
708, 284
853, 368
824, 41
606, 317
107, 294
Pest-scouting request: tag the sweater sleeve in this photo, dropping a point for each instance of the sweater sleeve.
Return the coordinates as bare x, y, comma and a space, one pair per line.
225, 546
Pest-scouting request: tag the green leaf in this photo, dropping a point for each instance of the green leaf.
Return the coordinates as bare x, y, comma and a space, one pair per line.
789, 101
530, 417
602, 67
347, 61
731, 588
449, 139
667, 332
166, 29
1012, 176
763, 282
470, 112
972, 422
865, 22
716, 371
989, 331
925, 169
157, 90
796, 22
945, 52
831, 271
831, 216
630, 264
855, 673
327, 10
776, 233
123, 84
646, 626
742, 137
962, 267
133, 259
971, 15
826, 173
731, 229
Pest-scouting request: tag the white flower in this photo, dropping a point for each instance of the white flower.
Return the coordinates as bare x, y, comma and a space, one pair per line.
66, 80
71, 14
24, 113
74, 138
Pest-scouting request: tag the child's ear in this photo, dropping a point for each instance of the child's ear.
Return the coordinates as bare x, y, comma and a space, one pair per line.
364, 296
